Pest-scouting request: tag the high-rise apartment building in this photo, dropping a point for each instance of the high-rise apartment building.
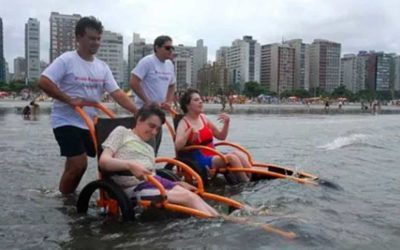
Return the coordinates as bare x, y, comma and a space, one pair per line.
32, 49
197, 56
199, 60
2, 60
137, 50
62, 33
43, 66
254, 58
348, 71
19, 69
213, 78
277, 67
243, 61
383, 71
396, 84
221, 55
325, 64
183, 71
111, 52
301, 63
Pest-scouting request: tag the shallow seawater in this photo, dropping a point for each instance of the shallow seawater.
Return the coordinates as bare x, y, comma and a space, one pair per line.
356, 205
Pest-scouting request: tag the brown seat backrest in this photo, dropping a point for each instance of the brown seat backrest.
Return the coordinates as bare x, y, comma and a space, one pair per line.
105, 126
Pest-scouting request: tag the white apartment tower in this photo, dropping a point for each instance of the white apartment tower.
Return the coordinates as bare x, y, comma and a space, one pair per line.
183, 62
353, 72
325, 64
62, 33
111, 52
32, 49
348, 71
301, 63
243, 61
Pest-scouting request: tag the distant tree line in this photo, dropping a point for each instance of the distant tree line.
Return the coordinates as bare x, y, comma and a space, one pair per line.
254, 89
17, 86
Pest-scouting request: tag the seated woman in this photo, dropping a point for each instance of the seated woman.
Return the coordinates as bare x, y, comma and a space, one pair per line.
127, 150
196, 129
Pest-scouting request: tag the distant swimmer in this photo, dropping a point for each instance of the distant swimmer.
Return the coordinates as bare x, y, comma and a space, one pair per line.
326, 106
26, 112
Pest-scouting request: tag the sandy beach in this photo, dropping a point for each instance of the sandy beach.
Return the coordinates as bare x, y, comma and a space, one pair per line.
16, 106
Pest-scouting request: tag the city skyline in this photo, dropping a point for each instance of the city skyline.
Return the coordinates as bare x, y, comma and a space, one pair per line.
355, 24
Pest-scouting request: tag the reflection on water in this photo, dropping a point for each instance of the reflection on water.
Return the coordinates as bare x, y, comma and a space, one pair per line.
355, 207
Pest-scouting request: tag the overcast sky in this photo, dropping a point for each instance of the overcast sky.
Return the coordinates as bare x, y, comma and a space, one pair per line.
356, 24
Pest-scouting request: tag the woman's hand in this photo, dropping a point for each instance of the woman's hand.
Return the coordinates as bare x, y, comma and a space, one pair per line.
195, 134
138, 170
224, 118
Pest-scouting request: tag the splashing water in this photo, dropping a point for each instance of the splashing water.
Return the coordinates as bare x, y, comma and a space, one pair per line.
343, 141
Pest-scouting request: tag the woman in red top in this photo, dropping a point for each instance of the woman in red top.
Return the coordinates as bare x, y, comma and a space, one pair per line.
196, 129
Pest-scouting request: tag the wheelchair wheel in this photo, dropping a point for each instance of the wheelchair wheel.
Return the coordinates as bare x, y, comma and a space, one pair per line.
193, 165
112, 191
231, 178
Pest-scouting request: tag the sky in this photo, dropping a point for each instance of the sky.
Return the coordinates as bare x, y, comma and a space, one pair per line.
356, 24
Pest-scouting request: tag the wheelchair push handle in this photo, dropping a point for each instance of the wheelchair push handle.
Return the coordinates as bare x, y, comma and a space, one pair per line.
89, 123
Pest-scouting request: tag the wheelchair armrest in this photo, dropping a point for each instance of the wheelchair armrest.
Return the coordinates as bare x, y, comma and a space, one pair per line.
237, 146
186, 168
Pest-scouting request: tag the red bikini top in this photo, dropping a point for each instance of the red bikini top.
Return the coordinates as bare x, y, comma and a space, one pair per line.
205, 138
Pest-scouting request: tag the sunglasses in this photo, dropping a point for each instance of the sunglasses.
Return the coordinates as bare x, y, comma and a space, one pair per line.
169, 48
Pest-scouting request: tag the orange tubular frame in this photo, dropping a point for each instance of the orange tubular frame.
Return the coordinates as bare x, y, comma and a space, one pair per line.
112, 204
200, 187
311, 178
89, 122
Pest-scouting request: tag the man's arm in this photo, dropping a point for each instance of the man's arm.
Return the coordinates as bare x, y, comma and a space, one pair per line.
169, 99
170, 94
52, 90
137, 88
124, 101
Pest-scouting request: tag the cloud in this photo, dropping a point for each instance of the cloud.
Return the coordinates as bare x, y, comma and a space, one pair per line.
356, 24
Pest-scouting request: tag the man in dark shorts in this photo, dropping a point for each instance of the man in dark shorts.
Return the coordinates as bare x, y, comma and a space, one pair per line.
72, 79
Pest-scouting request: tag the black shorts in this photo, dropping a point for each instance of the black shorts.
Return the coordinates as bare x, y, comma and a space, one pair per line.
74, 141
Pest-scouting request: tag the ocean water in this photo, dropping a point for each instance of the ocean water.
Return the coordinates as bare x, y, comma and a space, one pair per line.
355, 206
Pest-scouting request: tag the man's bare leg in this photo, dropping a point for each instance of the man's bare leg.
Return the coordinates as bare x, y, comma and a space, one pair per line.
75, 167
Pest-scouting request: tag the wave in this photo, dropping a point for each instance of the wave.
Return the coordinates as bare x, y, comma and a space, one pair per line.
344, 141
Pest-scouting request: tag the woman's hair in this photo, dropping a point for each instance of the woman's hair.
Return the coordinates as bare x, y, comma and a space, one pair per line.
146, 111
186, 98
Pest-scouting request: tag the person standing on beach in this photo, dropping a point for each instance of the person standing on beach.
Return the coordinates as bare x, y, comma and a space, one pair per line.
73, 79
153, 80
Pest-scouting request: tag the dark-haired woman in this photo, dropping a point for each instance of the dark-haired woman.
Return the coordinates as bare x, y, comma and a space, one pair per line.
196, 129
127, 150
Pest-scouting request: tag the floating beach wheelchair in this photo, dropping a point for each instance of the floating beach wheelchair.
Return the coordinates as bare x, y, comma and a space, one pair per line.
258, 170
113, 201
112, 198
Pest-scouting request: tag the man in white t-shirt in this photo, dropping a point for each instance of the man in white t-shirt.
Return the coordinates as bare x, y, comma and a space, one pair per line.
153, 79
72, 79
